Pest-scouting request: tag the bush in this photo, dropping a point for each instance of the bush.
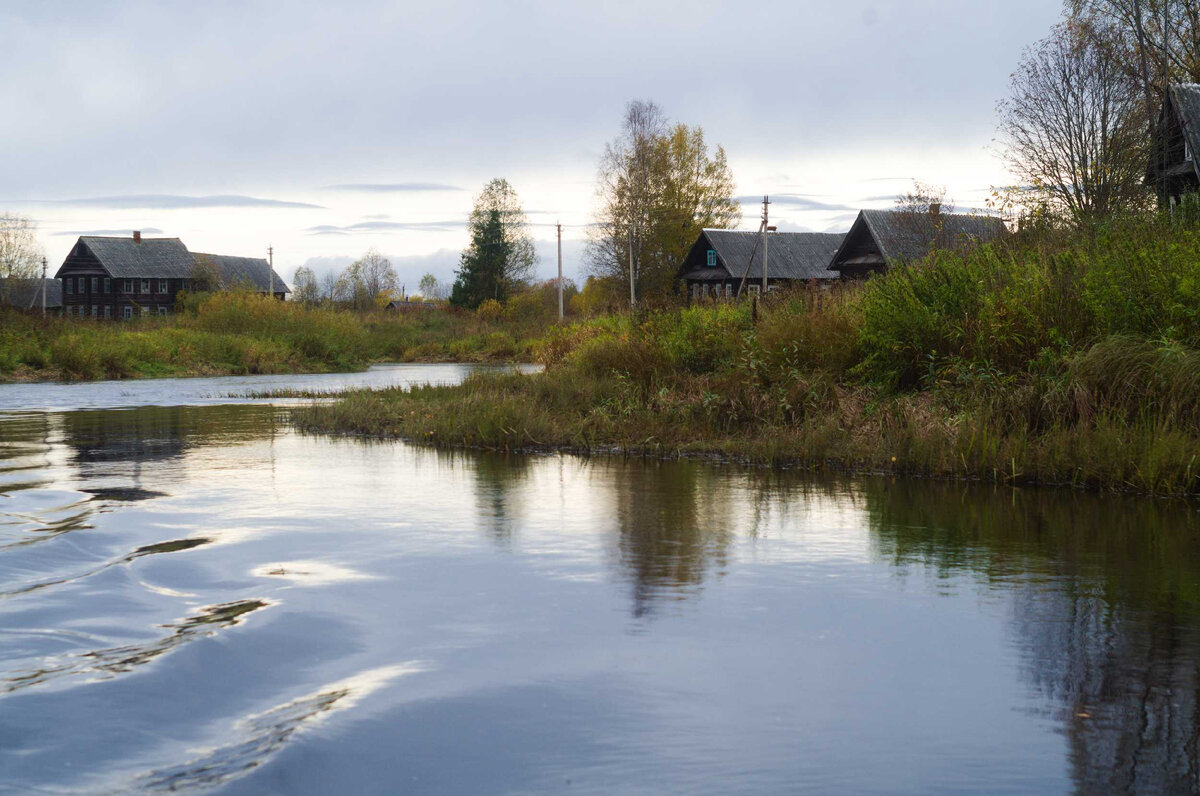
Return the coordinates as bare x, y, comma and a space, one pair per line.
490, 310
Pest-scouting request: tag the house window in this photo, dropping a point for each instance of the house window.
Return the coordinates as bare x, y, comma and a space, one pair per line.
712, 259
162, 286
107, 285
755, 290
107, 310
162, 310
95, 284
95, 310
145, 310
67, 284
145, 286
128, 313
128, 288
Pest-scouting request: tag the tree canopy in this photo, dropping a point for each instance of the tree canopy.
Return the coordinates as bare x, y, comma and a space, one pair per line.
658, 188
500, 256
1073, 128
20, 255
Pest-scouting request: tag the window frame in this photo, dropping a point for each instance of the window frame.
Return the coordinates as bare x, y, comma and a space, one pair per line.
710, 260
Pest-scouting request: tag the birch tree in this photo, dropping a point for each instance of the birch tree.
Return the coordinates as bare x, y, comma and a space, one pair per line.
658, 187
1072, 128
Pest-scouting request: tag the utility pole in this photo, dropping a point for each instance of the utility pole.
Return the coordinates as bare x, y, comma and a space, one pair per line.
43, 287
271, 269
632, 294
765, 229
560, 284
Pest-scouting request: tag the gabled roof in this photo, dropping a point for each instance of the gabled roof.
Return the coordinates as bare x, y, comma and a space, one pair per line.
25, 293
151, 258
245, 270
1185, 98
904, 236
790, 255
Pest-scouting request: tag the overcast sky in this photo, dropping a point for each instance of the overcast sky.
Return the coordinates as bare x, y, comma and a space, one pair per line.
326, 128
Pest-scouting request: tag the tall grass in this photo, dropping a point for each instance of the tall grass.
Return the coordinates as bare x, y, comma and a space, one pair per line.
240, 333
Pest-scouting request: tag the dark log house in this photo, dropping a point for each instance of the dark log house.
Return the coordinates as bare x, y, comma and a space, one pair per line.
1173, 170
107, 277
721, 259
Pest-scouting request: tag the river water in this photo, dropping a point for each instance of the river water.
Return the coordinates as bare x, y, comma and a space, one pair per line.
195, 597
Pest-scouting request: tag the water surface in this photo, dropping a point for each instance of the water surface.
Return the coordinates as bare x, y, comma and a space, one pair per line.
198, 598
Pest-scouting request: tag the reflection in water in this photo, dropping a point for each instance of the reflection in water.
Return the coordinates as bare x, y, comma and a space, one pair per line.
495, 478
260, 736
173, 546
112, 661
150, 434
674, 526
518, 575
1106, 611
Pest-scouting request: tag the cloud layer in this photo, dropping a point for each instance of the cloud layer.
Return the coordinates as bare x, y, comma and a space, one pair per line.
167, 202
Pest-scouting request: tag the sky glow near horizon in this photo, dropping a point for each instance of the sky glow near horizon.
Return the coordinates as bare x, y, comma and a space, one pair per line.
325, 130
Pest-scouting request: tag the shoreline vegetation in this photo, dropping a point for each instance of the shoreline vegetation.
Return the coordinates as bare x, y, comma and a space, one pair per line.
1051, 358
240, 333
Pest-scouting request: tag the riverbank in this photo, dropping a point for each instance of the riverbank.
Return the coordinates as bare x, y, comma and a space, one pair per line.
1069, 361
238, 334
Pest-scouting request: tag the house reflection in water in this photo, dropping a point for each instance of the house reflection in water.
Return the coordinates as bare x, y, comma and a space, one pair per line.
102, 440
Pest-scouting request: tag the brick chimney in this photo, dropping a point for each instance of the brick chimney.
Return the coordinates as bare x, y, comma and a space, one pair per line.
137, 236
935, 209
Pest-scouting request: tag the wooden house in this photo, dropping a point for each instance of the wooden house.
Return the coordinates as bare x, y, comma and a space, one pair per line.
254, 273
27, 294
111, 277
722, 259
879, 239
1173, 169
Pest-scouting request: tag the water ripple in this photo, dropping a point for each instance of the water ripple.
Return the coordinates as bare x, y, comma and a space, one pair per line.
113, 661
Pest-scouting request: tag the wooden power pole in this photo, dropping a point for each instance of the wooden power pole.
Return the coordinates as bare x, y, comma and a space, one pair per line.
765, 224
632, 294
560, 282
271, 269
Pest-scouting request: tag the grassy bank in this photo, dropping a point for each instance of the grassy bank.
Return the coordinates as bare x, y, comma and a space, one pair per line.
1066, 359
239, 333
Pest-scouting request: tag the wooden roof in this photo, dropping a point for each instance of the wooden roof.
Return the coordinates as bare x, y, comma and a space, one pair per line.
253, 271
25, 293
903, 236
149, 258
790, 255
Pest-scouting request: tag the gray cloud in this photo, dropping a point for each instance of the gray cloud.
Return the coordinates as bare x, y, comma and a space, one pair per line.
155, 201
794, 200
391, 187
386, 226
107, 232
841, 223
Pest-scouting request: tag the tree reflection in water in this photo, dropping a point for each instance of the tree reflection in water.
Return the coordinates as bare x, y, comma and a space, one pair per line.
674, 526
1106, 600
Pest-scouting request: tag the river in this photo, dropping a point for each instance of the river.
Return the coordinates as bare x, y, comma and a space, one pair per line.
196, 597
